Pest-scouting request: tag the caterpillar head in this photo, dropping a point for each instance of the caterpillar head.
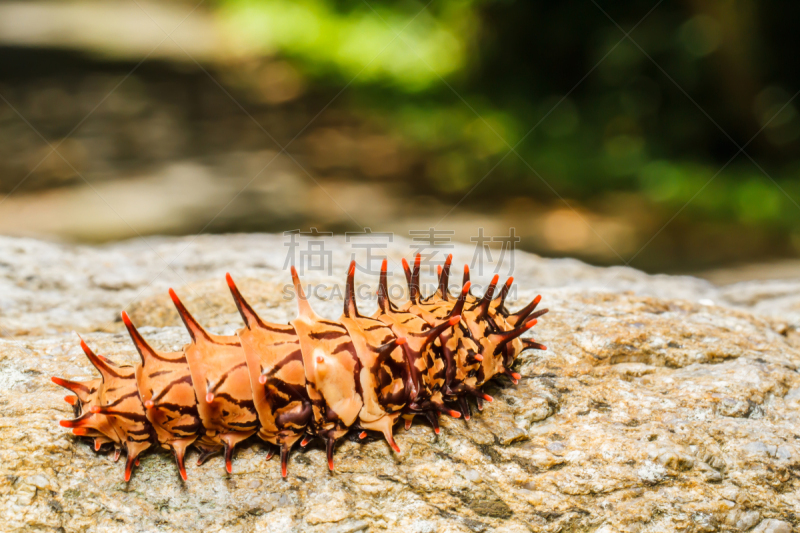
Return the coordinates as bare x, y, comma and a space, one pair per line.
85, 396
114, 413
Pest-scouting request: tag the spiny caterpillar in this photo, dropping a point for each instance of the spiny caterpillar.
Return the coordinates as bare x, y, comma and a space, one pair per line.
311, 378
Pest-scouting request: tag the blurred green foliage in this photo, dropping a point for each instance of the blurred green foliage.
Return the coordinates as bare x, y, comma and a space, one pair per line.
355, 39
588, 112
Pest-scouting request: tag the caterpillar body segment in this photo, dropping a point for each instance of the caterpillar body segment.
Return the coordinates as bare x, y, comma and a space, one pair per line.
331, 367
310, 378
383, 370
168, 395
222, 383
277, 378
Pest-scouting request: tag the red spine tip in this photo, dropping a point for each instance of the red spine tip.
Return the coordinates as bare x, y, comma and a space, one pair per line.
408, 424
96, 409
97, 445
330, 465
395, 447
352, 270
466, 287
515, 375
229, 466
149, 404
284, 472
478, 357
65, 423
262, 379
537, 299
126, 319
183, 474
72, 400
454, 414
531, 324
400, 341
209, 397
466, 417
84, 346
80, 432
385, 265
454, 320
320, 359
74, 387
488, 398
405, 263
466, 269
174, 296
438, 270
437, 430
495, 279
362, 434
229, 279
543, 347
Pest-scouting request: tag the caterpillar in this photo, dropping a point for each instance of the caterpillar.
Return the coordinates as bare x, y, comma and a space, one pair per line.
310, 378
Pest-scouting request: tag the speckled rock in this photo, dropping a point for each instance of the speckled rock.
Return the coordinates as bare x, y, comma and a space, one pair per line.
662, 404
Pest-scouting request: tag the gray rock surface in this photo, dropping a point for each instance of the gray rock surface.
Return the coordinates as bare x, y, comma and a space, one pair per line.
662, 404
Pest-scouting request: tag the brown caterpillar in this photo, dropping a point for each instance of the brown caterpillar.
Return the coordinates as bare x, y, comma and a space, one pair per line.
311, 378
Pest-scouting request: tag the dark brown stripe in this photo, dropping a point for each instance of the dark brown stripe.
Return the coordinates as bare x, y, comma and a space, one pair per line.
296, 355
326, 335
190, 429
185, 410
122, 399
246, 404
343, 347
278, 329
185, 379
225, 376
130, 416
334, 324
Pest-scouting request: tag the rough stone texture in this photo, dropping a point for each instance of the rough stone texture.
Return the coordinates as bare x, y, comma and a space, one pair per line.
662, 404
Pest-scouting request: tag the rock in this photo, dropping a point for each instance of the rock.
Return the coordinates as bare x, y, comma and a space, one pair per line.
674, 459
773, 526
662, 403
747, 520
651, 473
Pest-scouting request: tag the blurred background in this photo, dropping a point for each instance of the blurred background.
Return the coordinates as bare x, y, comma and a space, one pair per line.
660, 135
